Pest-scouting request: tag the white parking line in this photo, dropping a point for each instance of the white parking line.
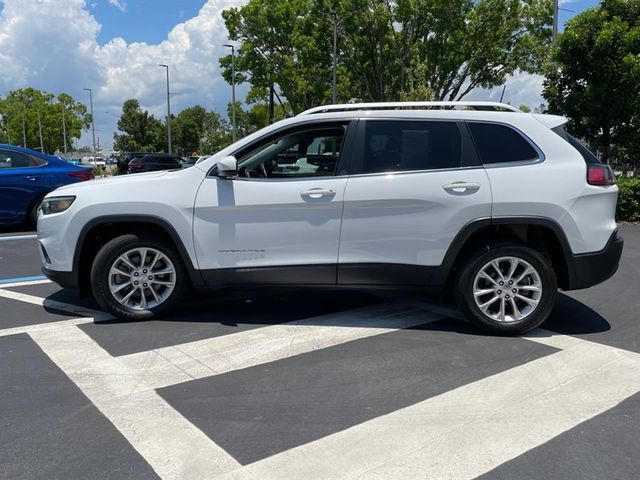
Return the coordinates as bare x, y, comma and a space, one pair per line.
174, 447
459, 434
469, 431
213, 356
123, 388
53, 304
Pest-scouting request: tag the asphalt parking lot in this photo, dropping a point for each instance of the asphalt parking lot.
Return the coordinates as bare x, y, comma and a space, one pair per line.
299, 384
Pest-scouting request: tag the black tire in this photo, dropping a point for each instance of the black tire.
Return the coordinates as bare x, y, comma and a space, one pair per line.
106, 258
464, 291
32, 213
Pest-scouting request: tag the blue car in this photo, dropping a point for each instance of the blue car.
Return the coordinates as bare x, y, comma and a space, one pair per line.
26, 176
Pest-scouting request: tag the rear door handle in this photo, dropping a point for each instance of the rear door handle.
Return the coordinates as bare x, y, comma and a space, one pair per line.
318, 193
31, 178
462, 187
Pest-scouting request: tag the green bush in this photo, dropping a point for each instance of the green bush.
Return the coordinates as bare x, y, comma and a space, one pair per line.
628, 199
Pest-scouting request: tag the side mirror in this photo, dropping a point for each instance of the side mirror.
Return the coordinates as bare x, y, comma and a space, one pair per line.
227, 167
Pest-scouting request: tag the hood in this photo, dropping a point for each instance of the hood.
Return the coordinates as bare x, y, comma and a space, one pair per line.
115, 181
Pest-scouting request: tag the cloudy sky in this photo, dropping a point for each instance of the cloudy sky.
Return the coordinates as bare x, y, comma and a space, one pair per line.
114, 46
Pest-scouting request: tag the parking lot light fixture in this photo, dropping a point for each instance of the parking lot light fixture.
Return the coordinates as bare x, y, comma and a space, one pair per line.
233, 88
168, 109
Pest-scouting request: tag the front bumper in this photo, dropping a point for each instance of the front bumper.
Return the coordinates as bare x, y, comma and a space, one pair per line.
64, 279
588, 269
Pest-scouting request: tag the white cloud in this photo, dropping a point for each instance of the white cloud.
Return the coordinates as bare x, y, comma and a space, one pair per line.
521, 89
119, 4
52, 45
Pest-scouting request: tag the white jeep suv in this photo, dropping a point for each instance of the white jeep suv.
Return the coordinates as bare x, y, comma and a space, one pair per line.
499, 206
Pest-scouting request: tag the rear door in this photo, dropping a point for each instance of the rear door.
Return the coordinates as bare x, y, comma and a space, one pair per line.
415, 185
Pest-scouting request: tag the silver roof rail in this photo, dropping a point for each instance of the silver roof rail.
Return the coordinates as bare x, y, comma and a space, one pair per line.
346, 107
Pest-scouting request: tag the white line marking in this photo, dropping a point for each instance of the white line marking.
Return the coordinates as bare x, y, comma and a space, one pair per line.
61, 306
18, 237
213, 356
174, 447
470, 430
24, 284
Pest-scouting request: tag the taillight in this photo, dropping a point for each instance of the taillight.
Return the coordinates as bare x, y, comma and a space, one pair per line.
88, 175
600, 174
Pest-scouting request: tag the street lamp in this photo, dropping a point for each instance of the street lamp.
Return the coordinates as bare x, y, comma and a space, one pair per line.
40, 130
64, 128
168, 110
233, 87
554, 34
335, 45
93, 120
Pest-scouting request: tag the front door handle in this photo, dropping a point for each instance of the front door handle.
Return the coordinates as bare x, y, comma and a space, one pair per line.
318, 193
461, 187
31, 178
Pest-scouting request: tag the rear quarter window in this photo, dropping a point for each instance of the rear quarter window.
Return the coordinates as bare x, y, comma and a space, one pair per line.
575, 143
501, 144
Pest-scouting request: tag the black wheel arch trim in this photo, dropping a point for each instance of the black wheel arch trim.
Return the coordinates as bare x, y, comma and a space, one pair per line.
441, 274
194, 274
583, 270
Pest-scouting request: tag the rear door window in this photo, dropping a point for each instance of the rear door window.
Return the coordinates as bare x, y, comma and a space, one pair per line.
11, 159
501, 144
411, 145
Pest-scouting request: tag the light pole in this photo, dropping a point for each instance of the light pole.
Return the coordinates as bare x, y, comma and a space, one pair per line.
40, 130
233, 88
93, 121
24, 130
335, 48
64, 129
168, 110
554, 35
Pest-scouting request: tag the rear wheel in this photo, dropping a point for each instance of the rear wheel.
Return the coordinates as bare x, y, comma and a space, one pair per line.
507, 289
136, 276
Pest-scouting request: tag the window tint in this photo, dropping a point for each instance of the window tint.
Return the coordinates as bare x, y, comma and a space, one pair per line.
9, 159
411, 145
588, 156
500, 144
307, 153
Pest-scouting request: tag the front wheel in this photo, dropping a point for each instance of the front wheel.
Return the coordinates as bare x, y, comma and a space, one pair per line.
137, 276
507, 289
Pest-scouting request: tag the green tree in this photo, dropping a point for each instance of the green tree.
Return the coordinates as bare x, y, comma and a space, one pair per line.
387, 50
595, 78
140, 131
216, 134
38, 110
187, 129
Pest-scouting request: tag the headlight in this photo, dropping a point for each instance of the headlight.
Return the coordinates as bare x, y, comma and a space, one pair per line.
55, 204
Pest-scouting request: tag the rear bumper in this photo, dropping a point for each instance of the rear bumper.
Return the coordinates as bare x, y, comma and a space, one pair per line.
588, 269
64, 279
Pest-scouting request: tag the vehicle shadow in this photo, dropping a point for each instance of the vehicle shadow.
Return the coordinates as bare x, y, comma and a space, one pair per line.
572, 317
334, 307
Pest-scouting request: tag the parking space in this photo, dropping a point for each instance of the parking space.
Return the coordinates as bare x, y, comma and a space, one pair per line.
315, 384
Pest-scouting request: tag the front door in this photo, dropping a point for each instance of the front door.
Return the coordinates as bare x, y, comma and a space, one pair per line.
278, 221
